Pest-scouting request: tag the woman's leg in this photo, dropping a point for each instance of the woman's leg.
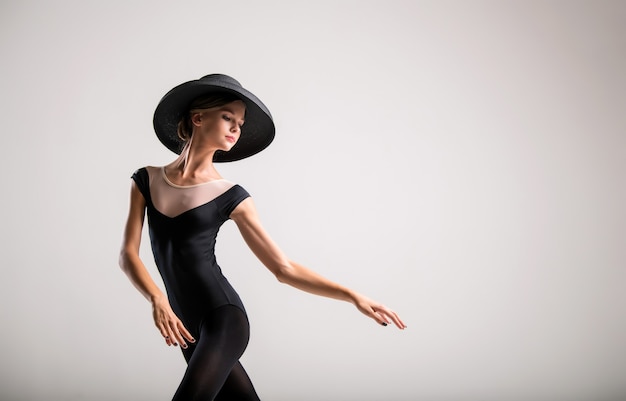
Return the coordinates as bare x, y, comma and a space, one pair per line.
237, 387
214, 358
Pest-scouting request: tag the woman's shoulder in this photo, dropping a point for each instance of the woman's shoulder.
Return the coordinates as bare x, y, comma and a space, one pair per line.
147, 171
153, 169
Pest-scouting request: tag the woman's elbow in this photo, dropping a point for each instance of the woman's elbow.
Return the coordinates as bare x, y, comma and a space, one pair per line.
121, 260
283, 273
124, 259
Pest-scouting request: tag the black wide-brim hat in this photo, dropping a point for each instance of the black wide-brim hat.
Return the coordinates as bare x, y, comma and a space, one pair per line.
256, 134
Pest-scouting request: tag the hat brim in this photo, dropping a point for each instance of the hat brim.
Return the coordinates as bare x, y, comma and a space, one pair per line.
256, 134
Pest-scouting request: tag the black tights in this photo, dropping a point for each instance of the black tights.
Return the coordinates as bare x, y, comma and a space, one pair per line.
213, 368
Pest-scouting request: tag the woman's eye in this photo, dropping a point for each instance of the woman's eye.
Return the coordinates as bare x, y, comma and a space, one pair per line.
225, 117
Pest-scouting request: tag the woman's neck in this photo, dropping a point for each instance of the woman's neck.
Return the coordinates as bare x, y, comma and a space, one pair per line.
194, 163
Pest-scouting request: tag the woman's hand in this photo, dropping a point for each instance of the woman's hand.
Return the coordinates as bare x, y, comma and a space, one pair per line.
170, 326
380, 313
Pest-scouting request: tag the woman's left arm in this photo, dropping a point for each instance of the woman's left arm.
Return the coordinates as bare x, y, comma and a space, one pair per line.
298, 276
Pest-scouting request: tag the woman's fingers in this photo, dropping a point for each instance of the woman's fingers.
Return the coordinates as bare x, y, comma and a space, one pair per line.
393, 317
165, 334
170, 326
178, 338
396, 319
171, 334
383, 315
389, 316
181, 333
185, 333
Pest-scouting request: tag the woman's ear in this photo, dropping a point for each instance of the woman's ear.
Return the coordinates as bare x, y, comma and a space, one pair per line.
196, 119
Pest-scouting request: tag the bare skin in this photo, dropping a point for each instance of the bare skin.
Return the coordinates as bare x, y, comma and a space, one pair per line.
219, 129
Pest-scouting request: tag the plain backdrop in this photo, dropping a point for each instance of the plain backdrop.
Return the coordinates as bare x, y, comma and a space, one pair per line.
462, 162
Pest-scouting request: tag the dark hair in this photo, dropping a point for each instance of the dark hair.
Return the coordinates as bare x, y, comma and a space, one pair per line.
185, 128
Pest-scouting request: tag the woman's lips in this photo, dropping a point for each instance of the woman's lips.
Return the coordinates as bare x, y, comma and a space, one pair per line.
230, 138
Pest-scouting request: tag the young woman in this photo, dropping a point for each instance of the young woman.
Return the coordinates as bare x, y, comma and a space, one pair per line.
213, 119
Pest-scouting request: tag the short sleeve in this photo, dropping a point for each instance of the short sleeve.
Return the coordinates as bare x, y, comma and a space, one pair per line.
142, 180
231, 199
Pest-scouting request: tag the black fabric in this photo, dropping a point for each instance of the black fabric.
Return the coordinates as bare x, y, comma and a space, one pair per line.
200, 295
213, 368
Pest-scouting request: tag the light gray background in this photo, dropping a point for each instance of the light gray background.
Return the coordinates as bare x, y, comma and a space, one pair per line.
462, 162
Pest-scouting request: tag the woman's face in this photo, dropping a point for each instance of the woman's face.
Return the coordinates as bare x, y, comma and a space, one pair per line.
219, 127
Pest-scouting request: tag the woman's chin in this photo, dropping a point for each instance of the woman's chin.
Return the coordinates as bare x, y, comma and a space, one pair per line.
228, 146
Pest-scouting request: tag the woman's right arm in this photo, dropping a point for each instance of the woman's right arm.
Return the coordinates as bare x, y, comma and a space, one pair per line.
170, 326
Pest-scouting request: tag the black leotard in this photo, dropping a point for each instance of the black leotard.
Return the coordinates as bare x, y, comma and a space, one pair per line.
183, 247
183, 224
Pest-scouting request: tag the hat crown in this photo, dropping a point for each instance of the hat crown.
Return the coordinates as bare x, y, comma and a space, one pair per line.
220, 79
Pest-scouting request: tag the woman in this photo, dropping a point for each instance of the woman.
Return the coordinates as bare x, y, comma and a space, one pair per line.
209, 120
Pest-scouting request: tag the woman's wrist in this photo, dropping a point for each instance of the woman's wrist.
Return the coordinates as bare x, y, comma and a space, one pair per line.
351, 296
156, 298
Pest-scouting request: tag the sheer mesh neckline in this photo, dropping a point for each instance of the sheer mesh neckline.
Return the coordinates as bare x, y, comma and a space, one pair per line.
172, 200
170, 183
